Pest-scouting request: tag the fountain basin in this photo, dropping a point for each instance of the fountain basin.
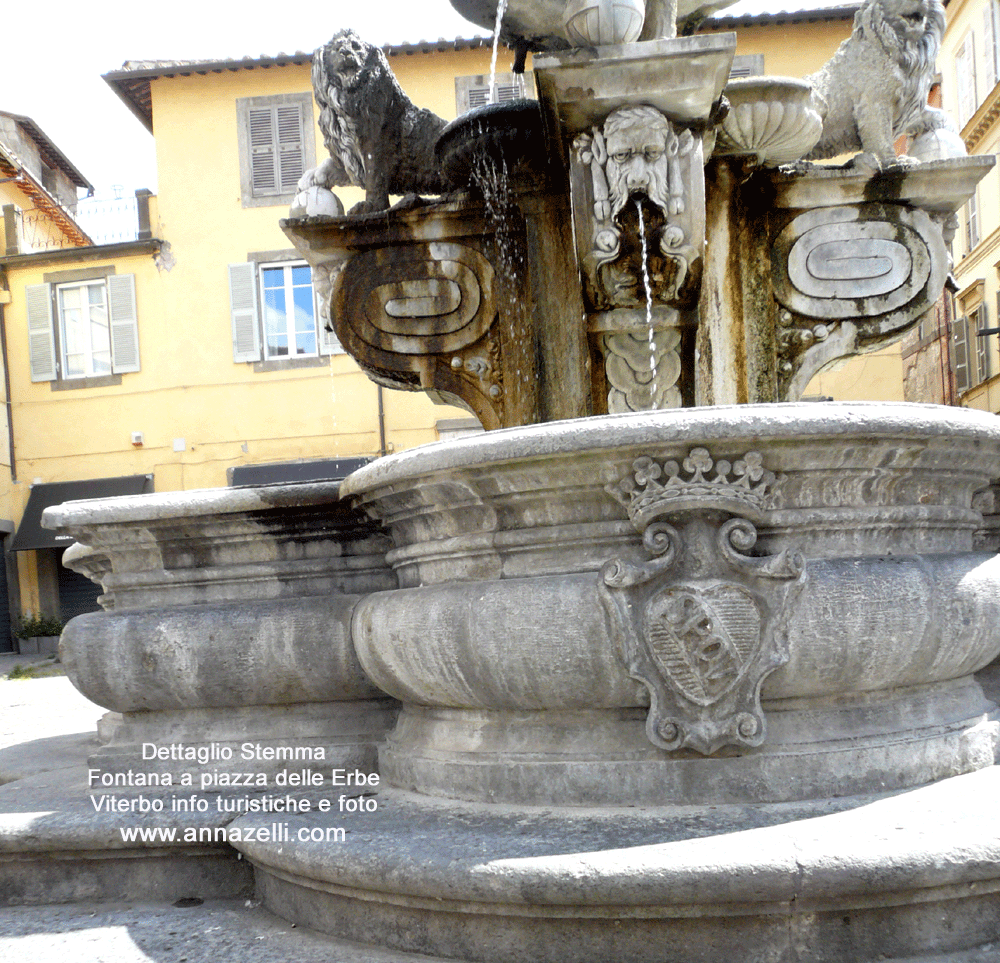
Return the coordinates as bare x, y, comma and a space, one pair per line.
522, 682
227, 620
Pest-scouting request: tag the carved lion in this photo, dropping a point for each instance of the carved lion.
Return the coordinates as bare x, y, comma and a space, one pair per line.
875, 86
376, 137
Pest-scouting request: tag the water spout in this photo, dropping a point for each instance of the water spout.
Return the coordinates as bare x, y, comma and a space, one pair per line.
501, 10
649, 304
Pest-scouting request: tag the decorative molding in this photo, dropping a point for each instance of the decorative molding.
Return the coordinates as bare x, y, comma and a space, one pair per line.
982, 121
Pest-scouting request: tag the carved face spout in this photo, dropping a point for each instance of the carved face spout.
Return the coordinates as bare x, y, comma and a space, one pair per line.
640, 143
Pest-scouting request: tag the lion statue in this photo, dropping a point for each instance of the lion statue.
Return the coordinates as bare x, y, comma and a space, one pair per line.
875, 86
376, 137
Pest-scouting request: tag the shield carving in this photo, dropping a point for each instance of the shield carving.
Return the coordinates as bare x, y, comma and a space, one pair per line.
703, 639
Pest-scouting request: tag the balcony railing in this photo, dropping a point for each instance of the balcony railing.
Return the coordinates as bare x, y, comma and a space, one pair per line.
91, 221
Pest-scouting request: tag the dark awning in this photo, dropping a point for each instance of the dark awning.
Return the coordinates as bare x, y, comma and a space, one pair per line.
291, 472
31, 535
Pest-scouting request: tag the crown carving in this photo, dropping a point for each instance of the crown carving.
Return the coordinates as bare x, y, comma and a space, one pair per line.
660, 487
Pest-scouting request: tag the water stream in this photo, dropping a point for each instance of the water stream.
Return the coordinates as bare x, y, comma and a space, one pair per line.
501, 10
649, 305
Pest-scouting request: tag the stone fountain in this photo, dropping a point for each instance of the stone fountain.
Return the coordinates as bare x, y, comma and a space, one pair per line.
685, 669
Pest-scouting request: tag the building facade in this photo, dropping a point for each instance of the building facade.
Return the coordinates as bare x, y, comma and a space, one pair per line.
954, 356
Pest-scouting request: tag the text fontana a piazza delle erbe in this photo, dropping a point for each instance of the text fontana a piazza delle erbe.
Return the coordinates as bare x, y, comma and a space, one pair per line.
237, 787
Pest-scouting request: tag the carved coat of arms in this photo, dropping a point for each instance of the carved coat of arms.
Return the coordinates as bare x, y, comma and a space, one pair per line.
702, 623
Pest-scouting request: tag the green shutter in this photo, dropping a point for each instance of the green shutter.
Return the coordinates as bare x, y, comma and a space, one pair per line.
124, 323
41, 337
243, 312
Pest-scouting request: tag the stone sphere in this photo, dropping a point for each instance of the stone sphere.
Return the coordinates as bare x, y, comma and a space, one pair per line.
597, 23
939, 144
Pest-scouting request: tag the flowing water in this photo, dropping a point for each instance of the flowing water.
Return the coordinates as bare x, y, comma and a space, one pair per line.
649, 305
501, 10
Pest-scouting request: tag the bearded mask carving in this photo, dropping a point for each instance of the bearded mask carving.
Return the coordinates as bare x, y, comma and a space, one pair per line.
642, 150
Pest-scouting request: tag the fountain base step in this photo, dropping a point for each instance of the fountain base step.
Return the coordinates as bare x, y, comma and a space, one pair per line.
815, 749
842, 880
54, 847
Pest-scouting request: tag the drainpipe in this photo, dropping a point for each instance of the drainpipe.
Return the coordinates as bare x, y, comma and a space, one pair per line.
383, 450
6, 380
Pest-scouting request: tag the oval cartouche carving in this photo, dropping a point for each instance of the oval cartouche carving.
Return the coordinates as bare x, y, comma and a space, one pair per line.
864, 266
857, 262
430, 298
424, 298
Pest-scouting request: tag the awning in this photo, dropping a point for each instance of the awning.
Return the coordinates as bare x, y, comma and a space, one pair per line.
31, 535
293, 472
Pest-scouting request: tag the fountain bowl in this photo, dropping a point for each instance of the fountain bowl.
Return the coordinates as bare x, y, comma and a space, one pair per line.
774, 119
507, 134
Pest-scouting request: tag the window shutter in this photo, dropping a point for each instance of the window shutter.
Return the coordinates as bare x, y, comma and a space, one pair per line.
291, 161
243, 310
990, 26
746, 65
960, 354
965, 73
980, 322
124, 323
263, 163
41, 337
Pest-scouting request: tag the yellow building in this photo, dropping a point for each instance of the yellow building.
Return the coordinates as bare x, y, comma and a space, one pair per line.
193, 356
970, 70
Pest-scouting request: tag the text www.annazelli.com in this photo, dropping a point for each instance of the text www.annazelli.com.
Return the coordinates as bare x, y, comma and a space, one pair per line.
274, 833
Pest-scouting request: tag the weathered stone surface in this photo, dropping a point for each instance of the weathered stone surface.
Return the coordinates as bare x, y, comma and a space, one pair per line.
497, 626
875, 87
771, 119
881, 878
479, 307
230, 621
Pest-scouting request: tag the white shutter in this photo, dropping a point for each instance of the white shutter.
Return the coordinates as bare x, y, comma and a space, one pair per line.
991, 12
124, 323
972, 221
41, 337
965, 75
243, 311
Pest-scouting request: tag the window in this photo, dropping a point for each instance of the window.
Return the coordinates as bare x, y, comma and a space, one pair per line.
981, 321
965, 76
84, 331
277, 146
960, 354
82, 328
275, 313
474, 91
288, 309
991, 43
747, 65
971, 354
972, 222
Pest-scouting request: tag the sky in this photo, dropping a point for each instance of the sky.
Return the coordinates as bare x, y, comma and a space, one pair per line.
51, 71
